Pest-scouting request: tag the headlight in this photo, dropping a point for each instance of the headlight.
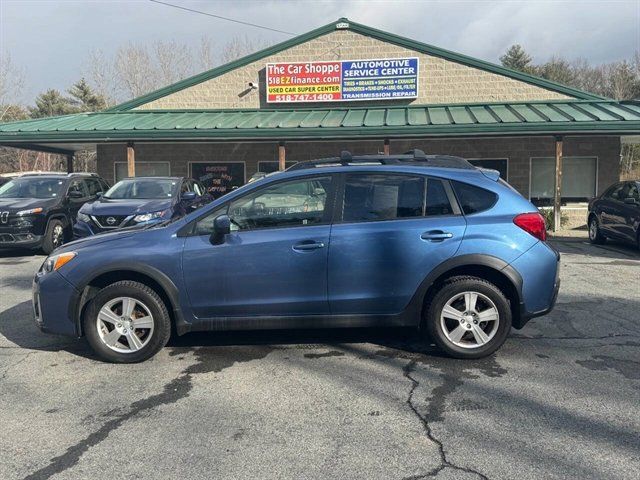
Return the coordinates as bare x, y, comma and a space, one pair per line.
82, 217
56, 261
145, 217
33, 211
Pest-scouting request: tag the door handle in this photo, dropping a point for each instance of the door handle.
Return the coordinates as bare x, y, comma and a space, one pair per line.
436, 235
306, 246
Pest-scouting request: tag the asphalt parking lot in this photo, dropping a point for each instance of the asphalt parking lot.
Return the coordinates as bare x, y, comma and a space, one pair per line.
560, 400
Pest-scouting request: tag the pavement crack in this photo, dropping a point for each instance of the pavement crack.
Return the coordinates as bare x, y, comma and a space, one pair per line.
434, 413
173, 391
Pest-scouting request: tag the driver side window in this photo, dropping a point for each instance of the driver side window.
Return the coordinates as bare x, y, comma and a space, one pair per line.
286, 204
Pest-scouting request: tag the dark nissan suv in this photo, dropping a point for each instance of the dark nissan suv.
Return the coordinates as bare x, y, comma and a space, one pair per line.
38, 211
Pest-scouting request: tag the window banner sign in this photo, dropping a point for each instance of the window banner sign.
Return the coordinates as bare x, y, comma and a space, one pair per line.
340, 81
218, 177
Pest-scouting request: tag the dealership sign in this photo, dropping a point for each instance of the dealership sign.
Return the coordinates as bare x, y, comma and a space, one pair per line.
351, 80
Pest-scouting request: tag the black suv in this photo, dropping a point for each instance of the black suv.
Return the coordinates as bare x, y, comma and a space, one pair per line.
38, 211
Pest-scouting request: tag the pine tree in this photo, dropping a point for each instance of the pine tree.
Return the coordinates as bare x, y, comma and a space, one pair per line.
517, 59
51, 103
85, 98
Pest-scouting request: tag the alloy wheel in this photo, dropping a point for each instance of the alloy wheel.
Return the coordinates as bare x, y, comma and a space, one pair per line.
125, 324
58, 236
469, 319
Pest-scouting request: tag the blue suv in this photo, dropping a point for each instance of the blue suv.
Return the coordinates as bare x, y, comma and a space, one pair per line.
139, 200
430, 242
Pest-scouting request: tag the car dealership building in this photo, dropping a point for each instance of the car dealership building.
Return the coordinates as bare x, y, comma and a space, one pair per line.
350, 86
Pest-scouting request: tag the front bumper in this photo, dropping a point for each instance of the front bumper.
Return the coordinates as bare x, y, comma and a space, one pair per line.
54, 299
20, 240
82, 230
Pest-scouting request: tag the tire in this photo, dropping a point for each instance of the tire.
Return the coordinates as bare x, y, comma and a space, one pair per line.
113, 335
489, 302
54, 236
595, 235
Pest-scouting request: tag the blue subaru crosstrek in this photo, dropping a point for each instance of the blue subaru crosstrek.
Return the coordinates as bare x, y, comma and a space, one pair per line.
416, 240
139, 200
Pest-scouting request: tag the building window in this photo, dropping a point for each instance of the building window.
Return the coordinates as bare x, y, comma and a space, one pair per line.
499, 164
218, 177
579, 179
269, 167
143, 169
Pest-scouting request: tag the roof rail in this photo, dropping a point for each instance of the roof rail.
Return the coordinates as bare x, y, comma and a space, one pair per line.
413, 157
418, 155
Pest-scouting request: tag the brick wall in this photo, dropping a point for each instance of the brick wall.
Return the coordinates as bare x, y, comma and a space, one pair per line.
518, 151
440, 81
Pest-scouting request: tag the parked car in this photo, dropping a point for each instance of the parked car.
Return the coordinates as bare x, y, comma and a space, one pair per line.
37, 210
616, 214
408, 240
7, 177
139, 200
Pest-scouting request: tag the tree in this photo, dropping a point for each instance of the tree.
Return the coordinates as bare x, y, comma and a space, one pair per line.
51, 103
239, 47
517, 59
85, 98
13, 113
11, 80
557, 70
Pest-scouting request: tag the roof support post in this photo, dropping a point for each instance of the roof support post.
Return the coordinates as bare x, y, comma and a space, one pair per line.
557, 193
282, 156
70, 162
386, 146
131, 160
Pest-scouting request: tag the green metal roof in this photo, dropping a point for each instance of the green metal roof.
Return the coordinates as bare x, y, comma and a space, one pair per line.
468, 120
369, 32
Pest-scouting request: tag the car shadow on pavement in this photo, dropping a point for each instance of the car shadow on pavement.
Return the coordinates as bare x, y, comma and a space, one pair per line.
18, 327
19, 252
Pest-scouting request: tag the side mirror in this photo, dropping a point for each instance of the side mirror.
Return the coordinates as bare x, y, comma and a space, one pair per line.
630, 201
75, 194
99, 194
189, 196
221, 228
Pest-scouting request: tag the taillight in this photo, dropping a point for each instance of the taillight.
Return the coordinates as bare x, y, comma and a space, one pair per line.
532, 223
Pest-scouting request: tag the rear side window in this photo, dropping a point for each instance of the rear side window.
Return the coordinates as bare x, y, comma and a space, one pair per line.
382, 197
473, 199
437, 199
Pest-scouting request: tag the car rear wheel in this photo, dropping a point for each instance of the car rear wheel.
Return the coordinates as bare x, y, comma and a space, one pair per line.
53, 237
595, 236
127, 322
468, 317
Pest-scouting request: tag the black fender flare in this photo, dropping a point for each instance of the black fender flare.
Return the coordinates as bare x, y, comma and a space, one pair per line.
470, 260
169, 288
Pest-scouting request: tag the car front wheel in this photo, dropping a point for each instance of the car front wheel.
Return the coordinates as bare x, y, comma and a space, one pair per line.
54, 236
127, 322
595, 236
468, 317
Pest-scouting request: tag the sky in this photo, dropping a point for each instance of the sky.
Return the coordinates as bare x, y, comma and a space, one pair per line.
50, 40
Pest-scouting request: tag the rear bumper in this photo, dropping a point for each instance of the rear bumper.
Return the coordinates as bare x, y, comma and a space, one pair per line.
53, 304
540, 271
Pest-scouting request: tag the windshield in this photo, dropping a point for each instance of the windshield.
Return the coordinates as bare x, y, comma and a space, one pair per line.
32, 187
147, 188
